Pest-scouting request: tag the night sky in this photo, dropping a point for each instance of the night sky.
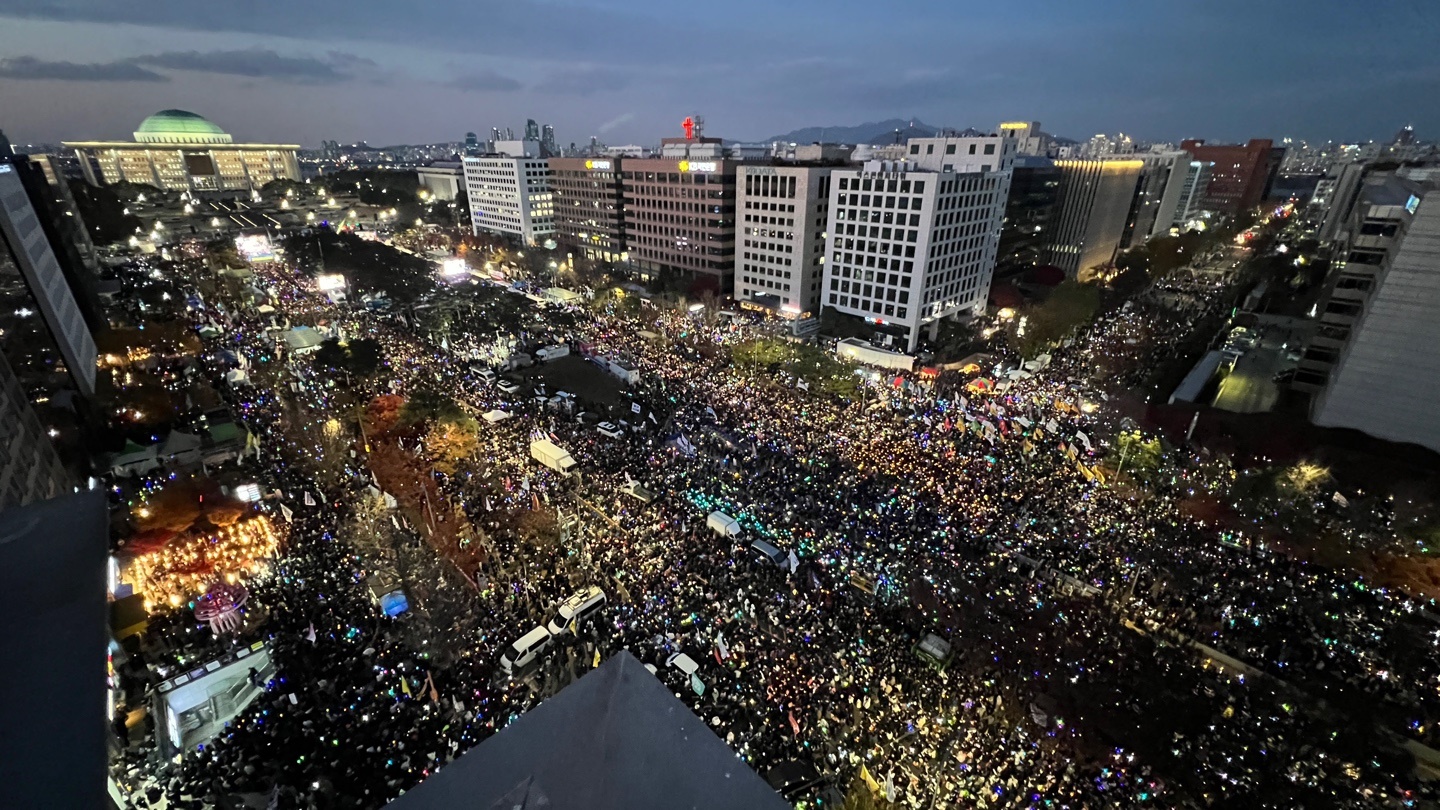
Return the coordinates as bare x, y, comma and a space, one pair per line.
629, 70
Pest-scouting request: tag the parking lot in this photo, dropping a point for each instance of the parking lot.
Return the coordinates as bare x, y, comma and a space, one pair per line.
1251, 386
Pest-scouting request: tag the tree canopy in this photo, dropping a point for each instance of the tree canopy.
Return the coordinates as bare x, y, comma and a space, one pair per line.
1068, 307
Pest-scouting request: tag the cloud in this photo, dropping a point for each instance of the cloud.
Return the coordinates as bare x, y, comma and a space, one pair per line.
484, 81
25, 68
258, 63
623, 118
510, 28
584, 81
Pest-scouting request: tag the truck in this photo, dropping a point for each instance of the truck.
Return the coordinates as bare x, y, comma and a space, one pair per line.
552, 455
722, 524
549, 353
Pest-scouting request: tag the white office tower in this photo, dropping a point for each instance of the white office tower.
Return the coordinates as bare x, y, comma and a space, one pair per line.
510, 192
1378, 331
908, 247
780, 251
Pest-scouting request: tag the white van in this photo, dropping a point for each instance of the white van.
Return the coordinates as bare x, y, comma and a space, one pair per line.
526, 649
577, 609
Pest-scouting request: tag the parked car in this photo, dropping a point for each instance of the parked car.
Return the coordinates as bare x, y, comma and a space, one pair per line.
610, 429
508, 386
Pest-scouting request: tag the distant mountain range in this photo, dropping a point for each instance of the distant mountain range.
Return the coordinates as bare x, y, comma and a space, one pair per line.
877, 132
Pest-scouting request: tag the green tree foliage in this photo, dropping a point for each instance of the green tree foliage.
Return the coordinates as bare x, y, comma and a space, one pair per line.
1069, 306
429, 405
1142, 459
361, 357
805, 361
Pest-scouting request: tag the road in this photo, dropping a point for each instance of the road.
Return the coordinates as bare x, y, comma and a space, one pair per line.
1250, 388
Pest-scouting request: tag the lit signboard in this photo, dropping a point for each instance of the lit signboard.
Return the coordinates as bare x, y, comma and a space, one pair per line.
598, 165
694, 166
1412, 203
330, 282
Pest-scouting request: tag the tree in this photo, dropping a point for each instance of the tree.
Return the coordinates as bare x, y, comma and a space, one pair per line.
331, 355
1134, 455
1068, 307
1303, 480
366, 356
451, 441
383, 414
428, 404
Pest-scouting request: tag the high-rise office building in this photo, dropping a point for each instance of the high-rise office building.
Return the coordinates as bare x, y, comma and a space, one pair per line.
547, 141
1027, 138
960, 153
1241, 175
509, 192
532, 130
909, 247
179, 151
680, 211
1191, 203
1029, 215
1371, 364
782, 214
1092, 207
45, 335
1157, 196
472, 145
589, 206
30, 469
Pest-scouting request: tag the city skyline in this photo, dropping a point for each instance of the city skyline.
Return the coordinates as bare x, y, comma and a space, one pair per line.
1225, 72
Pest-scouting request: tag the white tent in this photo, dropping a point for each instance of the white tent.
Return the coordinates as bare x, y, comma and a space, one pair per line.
495, 416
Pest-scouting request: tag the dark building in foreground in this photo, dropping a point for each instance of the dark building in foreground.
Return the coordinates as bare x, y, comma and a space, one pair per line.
55, 719
617, 739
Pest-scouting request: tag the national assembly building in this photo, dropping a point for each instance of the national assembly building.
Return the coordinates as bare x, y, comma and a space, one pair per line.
180, 151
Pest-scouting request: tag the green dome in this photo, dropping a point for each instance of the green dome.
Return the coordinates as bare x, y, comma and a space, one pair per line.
178, 124
178, 121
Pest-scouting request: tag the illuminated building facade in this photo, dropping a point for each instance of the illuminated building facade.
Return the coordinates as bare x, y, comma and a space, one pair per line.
780, 250
590, 206
510, 193
680, 212
178, 150
909, 247
1092, 205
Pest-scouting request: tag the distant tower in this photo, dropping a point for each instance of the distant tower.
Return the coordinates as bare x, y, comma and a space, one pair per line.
1405, 136
472, 144
547, 140
532, 130
594, 145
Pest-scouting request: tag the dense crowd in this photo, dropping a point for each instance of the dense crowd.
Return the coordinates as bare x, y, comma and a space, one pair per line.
978, 517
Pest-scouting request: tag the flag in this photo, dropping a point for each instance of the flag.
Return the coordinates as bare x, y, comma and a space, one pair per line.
794, 724
792, 561
535, 501
596, 662
286, 513
405, 686
1085, 440
869, 780
309, 499
709, 411
653, 420
721, 646
434, 693
890, 786
310, 634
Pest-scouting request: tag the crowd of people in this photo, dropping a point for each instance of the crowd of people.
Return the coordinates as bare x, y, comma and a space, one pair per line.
1072, 611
